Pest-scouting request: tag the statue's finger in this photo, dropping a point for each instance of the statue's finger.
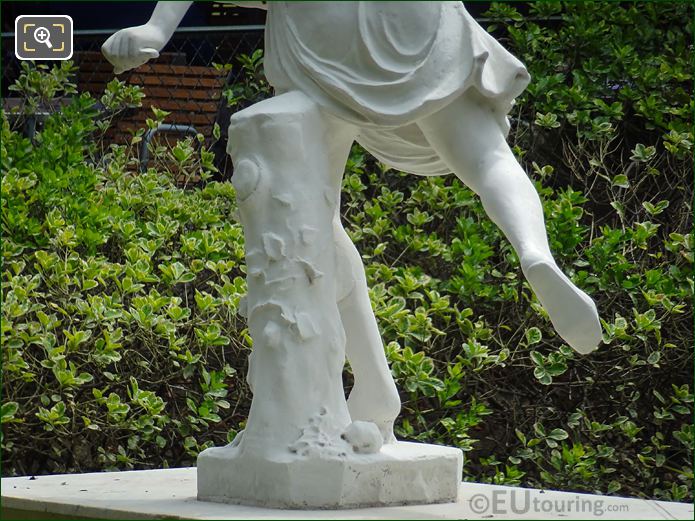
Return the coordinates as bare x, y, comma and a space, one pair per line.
127, 48
123, 47
150, 52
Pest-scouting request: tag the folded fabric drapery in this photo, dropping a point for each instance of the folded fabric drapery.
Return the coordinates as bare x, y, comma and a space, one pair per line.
384, 65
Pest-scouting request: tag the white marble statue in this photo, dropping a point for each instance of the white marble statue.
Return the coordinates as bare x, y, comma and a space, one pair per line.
426, 90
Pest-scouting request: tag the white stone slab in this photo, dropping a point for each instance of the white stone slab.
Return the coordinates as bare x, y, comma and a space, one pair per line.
400, 473
171, 493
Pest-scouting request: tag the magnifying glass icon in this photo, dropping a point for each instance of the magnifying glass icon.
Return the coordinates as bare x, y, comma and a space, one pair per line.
42, 35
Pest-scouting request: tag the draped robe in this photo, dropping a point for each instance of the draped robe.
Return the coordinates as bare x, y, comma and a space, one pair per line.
382, 66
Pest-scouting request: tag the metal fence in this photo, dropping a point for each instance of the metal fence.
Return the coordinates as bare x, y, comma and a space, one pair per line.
193, 46
186, 80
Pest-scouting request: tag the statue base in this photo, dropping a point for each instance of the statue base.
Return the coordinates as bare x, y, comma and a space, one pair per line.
400, 474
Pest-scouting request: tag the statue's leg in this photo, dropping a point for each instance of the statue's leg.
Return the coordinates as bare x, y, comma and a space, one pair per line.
287, 190
467, 137
374, 396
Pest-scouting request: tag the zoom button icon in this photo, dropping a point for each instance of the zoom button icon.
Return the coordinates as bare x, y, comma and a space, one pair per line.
40, 37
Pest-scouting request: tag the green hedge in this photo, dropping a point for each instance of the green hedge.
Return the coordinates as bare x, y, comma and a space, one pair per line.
121, 344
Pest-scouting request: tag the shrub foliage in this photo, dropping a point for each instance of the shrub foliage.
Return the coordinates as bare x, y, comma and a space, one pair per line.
121, 344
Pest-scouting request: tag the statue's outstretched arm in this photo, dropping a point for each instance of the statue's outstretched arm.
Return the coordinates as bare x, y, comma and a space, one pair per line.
131, 47
168, 15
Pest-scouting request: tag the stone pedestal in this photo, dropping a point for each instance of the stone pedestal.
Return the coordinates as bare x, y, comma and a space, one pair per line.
400, 474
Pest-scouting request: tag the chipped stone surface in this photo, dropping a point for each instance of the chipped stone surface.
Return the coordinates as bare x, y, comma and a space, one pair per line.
316, 442
305, 326
273, 334
307, 234
285, 199
274, 246
253, 270
312, 272
256, 261
280, 283
282, 308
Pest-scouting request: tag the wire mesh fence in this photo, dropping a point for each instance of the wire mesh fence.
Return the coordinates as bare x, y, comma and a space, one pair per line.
197, 79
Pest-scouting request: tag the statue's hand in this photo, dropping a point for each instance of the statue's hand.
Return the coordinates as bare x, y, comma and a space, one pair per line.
131, 47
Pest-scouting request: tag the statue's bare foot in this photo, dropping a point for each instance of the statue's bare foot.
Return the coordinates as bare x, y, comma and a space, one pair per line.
380, 406
572, 312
